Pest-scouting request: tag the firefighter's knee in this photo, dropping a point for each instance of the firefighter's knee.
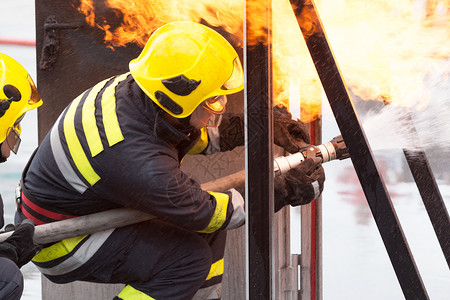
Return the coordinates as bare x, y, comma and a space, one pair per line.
11, 283
200, 255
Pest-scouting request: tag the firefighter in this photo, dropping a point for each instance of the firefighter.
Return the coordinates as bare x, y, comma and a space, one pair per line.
18, 95
120, 144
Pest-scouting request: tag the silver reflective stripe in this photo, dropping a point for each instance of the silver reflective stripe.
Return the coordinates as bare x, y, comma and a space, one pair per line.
210, 292
62, 161
238, 216
316, 188
81, 255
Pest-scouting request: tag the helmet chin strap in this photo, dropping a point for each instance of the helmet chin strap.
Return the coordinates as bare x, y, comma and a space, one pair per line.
182, 124
186, 126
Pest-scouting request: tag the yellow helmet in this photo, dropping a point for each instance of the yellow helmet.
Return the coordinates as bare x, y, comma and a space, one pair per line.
185, 63
18, 94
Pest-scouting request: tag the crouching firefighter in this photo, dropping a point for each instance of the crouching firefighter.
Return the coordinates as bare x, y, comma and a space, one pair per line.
120, 144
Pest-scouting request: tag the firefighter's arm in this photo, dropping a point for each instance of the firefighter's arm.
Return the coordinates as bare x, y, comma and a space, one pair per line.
229, 212
288, 133
156, 185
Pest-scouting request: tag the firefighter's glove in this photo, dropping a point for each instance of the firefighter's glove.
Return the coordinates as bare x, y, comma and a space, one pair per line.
231, 131
299, 185
20, 247
288, 133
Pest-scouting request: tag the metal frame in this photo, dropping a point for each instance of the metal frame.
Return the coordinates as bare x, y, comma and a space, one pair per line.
429, 191
360, 151
258, 163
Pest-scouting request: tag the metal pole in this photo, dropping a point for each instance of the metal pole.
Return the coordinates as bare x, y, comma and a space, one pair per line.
429, 191
258, 158
360, 151
311, 222
316, 225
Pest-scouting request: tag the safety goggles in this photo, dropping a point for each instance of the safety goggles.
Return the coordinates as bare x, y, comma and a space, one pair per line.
210, 111
215, 105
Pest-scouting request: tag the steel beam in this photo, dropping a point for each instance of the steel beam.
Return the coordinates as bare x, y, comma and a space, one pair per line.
258, 161
360, 151
429, 191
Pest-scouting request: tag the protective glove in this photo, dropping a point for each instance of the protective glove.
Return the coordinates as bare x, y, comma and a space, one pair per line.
288, 133
299, 185
231, 131
19, 247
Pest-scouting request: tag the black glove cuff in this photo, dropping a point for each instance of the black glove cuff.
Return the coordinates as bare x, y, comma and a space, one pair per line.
8, 251
280, 193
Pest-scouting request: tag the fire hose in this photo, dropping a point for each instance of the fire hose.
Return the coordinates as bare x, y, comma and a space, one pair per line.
120, 217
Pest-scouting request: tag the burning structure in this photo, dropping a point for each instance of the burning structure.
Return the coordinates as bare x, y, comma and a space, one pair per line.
96, 39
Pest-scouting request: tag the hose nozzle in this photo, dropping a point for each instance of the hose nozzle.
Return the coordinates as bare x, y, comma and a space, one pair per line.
334, 149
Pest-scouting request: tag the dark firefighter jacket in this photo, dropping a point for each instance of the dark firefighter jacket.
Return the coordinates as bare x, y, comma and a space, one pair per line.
111, 148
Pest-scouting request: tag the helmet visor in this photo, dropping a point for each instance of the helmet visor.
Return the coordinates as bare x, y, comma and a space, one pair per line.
209, 112
34, 97
13, 138
236, 79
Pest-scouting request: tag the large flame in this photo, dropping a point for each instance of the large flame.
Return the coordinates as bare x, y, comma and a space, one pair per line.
141, 17
385, 49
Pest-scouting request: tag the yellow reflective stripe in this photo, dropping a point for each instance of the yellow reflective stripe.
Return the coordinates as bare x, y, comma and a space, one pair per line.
58, 250
216, 269
130, 293
201, 144
220, 213
75, 148
112, 128
89, 122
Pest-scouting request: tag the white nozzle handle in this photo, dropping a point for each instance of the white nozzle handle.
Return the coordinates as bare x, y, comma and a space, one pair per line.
328, 151
283, 164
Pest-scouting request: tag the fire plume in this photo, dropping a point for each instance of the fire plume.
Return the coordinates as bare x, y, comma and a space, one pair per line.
386, 49
141, 17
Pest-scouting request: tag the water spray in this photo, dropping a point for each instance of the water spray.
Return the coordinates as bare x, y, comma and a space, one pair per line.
334, 149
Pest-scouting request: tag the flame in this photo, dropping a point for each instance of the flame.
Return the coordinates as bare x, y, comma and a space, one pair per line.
295, 81
385, 49
141, 17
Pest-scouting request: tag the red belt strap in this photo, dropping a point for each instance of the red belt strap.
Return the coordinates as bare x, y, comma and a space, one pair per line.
41, 211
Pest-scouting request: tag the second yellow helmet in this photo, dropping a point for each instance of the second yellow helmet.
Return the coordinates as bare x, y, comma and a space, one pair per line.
18, 94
